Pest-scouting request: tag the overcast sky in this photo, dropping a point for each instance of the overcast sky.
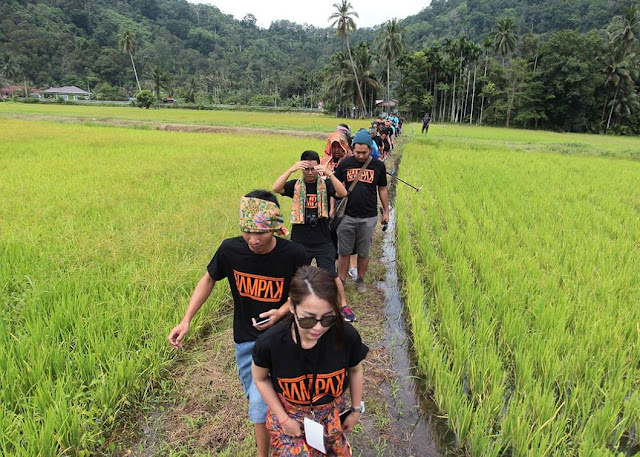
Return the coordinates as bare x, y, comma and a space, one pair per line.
316, 12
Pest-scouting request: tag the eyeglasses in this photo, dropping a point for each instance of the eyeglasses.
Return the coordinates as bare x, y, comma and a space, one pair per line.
310, 322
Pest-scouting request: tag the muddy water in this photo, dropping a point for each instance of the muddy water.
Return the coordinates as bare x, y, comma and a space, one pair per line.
420, 431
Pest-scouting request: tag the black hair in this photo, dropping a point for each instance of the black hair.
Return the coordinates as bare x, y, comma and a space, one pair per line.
316, 281
345, 126
310, 155
263, 195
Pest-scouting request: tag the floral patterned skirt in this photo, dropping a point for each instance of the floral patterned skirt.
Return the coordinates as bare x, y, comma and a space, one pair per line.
335, 441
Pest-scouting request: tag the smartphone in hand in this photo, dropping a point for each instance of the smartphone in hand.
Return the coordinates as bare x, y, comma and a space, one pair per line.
263, 321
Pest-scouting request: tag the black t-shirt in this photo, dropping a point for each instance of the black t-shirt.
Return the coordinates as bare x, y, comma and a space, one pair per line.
363, 201
378, 141
292, 368
258, 282
315, 230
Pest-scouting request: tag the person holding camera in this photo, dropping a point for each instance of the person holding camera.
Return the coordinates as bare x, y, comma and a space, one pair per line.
310, 213
303, 366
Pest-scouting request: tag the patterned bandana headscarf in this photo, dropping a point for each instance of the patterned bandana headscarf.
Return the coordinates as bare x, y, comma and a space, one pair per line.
261, 216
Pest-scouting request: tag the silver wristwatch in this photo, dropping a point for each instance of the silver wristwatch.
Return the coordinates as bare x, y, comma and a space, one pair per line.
358, 409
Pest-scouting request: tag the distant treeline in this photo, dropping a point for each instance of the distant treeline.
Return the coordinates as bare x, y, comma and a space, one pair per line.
489, 61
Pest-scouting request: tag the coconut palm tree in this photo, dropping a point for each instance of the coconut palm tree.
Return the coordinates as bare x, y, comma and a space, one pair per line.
624, 30
128, 44
505, 36
390, 45
344, 23
160, 80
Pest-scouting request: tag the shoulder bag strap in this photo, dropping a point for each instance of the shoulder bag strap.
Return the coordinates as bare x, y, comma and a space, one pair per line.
355, 181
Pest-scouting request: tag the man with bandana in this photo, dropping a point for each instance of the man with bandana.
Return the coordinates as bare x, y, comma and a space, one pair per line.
259, 267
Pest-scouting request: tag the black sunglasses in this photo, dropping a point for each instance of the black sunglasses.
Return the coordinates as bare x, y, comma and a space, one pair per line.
310, 322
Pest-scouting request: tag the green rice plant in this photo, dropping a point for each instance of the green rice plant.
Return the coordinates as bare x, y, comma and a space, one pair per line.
103, 234
524, 248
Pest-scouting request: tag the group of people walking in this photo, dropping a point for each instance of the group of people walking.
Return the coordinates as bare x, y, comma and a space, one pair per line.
295, 349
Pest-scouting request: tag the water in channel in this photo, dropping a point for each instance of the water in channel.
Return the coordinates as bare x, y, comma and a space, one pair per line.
420, 432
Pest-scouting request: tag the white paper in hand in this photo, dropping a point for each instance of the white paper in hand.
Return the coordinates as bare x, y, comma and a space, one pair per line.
314, 434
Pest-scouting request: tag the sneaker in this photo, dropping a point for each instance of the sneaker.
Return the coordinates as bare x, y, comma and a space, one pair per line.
353, 272
348, 314
360, 286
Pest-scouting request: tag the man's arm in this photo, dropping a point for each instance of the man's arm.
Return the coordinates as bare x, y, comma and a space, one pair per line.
341, 191
200, 294
278, 186
383, 191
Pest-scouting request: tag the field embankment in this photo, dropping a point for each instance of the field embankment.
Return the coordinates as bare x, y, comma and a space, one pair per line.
173, 119
520, 261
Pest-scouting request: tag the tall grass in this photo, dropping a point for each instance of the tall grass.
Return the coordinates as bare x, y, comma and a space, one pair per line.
521, 277
103, 234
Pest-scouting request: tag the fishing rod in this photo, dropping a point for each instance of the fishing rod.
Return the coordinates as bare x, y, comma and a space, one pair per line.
405, 182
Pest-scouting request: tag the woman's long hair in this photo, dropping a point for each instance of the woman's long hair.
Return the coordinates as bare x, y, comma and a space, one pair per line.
319, 282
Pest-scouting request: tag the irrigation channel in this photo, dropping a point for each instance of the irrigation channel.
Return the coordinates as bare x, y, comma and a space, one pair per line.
419, 430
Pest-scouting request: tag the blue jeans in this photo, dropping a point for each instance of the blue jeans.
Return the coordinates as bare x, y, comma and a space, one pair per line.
257, 406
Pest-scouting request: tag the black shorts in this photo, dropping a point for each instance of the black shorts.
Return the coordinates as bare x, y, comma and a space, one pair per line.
325, 255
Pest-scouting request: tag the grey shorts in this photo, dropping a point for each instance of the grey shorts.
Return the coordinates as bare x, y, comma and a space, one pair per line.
356, 232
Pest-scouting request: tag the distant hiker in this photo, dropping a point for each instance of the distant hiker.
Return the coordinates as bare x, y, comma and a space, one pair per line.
386, 144
310, 213
426, 120
259, 267
302, 367
357, 227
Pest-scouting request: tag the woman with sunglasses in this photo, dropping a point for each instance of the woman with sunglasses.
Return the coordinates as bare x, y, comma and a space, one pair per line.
302, 367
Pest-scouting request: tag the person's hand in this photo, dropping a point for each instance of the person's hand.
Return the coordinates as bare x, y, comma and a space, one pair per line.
176, 335
385, 218
350, 422
291, 427
324, 168
301, 165
272, 314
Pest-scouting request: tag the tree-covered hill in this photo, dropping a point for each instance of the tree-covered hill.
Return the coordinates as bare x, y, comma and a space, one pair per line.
475, 18
570, 65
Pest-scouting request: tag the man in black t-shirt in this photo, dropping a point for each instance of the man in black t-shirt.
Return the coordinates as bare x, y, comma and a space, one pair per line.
357, 227
310, 213
259, 267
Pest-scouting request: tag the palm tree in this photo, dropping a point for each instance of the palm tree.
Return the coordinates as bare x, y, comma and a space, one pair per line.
160, 81
621, 74
624, 30
10, 68
192, 86
505, 36
344, 23
128, 44
390, 45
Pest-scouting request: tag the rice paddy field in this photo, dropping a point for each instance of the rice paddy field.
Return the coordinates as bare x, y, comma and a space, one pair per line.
89, 113
103, 234
521, 260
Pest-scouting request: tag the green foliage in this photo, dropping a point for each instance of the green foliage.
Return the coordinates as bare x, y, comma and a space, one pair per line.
144, 99
105, 91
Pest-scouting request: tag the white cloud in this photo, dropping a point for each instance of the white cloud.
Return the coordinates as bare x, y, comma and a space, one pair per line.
371, 12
